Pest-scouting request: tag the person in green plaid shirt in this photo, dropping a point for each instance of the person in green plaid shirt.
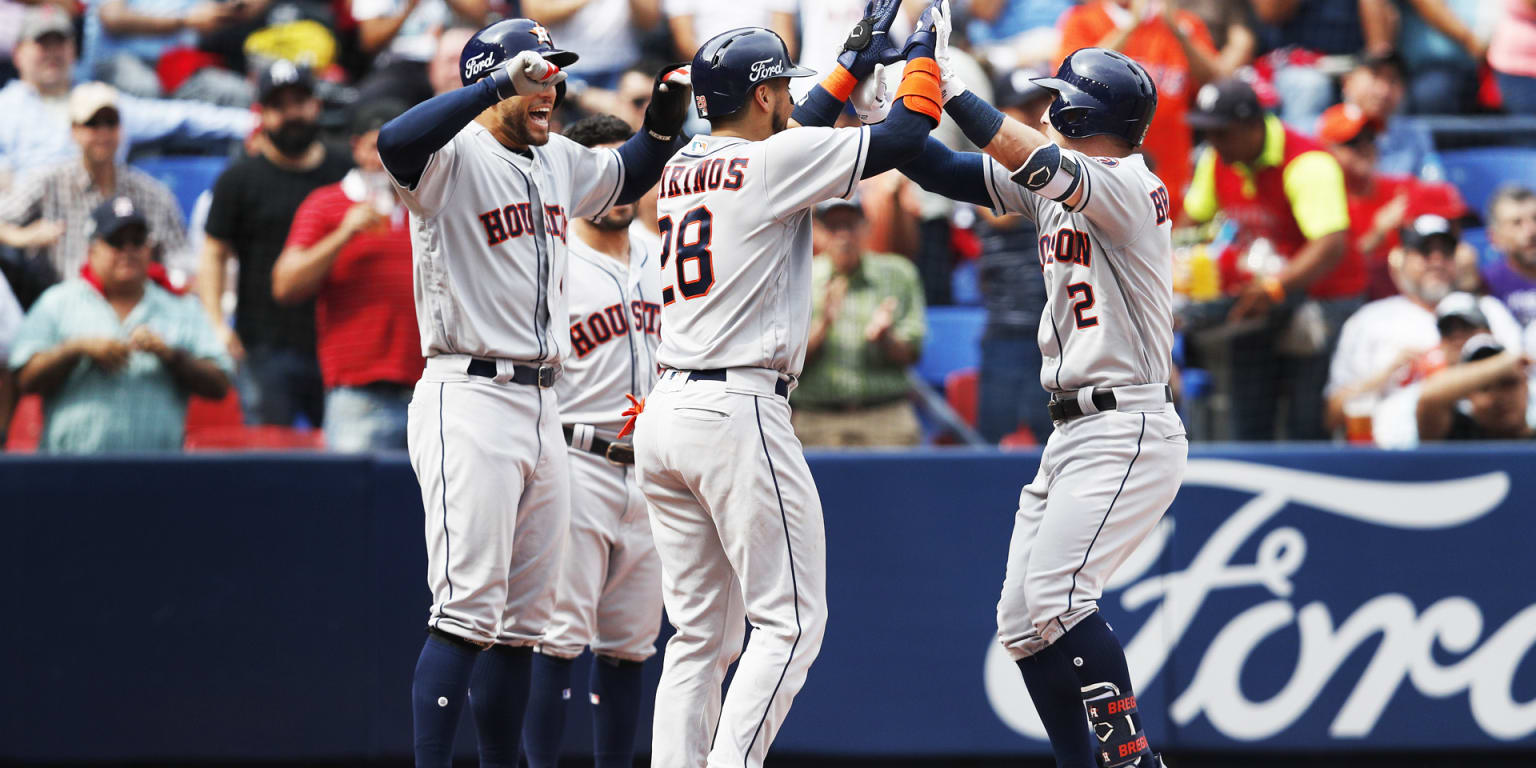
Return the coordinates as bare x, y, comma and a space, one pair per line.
114, 353
867, 326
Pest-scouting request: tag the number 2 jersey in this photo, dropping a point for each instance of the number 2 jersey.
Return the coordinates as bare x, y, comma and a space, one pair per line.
1108, 267
735, 221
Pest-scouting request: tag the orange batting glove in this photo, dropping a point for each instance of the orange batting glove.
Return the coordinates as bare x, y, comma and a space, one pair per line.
636, 407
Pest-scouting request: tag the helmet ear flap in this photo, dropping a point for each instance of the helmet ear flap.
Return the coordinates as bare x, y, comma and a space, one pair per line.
559, 93
1065, 117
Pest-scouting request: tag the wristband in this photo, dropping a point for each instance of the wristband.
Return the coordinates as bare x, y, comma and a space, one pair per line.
920, 82
840, 83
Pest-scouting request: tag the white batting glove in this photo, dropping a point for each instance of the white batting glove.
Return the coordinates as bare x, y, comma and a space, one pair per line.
528, 72
871, 98
950, 84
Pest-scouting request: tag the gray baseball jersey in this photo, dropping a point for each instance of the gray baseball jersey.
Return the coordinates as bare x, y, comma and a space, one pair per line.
615, 322
735, 220
1108, 265
488, 233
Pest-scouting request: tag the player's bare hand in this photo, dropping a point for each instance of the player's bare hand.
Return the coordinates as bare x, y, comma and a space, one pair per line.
529, 72
881, 321
360, 218
146, 340
108, 354
231, 342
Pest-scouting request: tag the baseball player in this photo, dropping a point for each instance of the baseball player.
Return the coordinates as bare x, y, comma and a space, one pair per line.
1114, 462
734, 511
609, 595
490, 193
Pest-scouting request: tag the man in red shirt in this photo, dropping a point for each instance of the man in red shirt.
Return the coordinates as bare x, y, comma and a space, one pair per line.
1379, 204
350, 250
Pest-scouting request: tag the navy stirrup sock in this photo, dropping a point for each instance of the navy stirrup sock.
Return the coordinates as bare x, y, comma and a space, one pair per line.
1094, 654
437, 697
548, 702
498, 696
1059, 700
615, 711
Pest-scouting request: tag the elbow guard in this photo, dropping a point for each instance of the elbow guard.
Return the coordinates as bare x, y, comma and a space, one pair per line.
1049, 173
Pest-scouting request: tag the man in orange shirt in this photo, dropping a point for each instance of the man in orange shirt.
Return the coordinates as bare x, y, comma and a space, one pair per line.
1175, 48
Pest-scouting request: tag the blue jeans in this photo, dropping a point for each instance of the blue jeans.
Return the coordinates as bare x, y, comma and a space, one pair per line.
1304, 94
277, 386
366, 418
1010, 392
1519, 93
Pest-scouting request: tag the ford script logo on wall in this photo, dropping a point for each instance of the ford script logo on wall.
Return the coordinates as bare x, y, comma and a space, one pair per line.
1271, 641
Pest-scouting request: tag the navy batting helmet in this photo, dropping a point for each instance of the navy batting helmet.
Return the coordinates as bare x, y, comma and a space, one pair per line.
1099, 92
731, 64
498, 43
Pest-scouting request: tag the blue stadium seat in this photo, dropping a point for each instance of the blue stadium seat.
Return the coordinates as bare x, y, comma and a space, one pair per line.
186, 175
1480, 171
965, 284
953, 342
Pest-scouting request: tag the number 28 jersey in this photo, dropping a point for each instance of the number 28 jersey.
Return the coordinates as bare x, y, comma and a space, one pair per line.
735, 221
1108, 267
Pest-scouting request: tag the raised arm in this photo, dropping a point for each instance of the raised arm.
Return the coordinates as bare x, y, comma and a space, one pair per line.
646, 153
956, 175
407, 142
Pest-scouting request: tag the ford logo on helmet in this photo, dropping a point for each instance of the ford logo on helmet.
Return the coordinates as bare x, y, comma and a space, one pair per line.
766, 68
478, 63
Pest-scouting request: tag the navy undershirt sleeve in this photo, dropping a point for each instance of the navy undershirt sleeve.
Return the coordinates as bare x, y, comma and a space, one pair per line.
955, 175
644, 157
896, 140
407, 142
818, 108
978, 120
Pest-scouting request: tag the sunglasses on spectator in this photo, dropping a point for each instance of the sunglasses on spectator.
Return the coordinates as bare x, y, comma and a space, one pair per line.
129, 238
102, 121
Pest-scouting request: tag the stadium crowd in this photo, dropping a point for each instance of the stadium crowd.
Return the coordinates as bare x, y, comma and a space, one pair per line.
1335, 278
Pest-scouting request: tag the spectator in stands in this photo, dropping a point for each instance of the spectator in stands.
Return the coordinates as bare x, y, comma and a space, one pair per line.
113, 353
350, 251
1230, 23
1512, 54
867, 326
399, 35
1013, 290
10, 323
1376, 86
443, 69
254, 201
605, 32
48, 210
1011, 34
1389, 343
1177, 51
125, 40
1286, 193
1512, 232
1493, 383
694, 21
1379, 203
1300, 31
1441, 53
34, 112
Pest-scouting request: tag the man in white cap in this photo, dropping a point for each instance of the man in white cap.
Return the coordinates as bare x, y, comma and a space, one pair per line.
34, 108
46, 211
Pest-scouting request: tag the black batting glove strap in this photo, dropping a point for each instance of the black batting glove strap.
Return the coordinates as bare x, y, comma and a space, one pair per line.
668, 109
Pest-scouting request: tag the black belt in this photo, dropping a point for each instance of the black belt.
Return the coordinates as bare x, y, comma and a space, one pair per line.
1104, 400
616, 452
545, 375
781, 388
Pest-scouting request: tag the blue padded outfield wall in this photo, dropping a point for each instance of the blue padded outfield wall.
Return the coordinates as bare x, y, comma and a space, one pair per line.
1294, 599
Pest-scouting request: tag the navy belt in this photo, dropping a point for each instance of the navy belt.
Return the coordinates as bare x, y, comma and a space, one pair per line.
1104, 400
544, 376
780, 388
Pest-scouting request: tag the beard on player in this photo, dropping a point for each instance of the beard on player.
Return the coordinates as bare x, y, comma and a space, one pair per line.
784, 107
525, 119
616, 219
